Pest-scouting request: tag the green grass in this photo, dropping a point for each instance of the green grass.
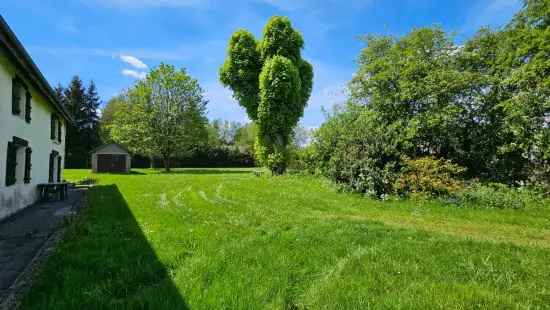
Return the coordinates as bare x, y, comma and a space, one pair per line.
211, 239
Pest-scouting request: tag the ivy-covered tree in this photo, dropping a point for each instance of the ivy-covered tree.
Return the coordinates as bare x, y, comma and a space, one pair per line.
273, 83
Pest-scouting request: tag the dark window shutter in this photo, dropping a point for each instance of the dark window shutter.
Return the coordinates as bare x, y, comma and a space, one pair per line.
50, 173
28, 107
28, 165
15, 97
58, 130
52, 134
11, 164
59, 161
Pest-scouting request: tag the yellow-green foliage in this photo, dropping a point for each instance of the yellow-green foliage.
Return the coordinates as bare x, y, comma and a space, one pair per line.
429, 175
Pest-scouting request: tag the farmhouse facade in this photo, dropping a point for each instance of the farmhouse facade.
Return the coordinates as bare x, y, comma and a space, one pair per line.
32, 127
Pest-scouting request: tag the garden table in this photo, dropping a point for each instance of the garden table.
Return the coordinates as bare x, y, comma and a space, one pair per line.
59, 190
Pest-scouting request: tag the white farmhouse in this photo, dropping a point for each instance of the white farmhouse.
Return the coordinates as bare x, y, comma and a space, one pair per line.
32, 127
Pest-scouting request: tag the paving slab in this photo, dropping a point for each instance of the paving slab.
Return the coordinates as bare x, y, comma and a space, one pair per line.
24, 234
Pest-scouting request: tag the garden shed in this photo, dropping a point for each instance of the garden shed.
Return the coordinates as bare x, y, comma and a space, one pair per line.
111, 158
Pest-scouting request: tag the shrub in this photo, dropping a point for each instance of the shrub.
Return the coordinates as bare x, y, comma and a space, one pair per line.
326, 139
429, 175
303, 160
497, 196
208, 156
356, 151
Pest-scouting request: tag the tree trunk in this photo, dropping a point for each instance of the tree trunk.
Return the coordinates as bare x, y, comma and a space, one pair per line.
280, 148
279, 169
166, 161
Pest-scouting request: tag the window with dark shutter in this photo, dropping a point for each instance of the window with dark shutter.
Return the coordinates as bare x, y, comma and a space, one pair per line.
28, 107
28, 165
59, 161
50, 173
15, 97
58, 130
53, 130
11, 164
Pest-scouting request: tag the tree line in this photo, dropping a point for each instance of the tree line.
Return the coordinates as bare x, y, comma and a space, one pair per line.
480, 109
163, 116
483, 105
162, 120
218, 143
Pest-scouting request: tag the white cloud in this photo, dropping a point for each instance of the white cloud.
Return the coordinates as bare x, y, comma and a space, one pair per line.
285, 5
67, 24
173, 54
133, 61
497, 5
494, 14
151, 3
329, 89
221, 104
135, 74
292, 5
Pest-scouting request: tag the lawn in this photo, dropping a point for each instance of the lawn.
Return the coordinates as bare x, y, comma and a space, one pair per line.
224, 238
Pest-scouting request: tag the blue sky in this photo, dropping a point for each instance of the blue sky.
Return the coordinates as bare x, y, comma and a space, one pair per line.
114, 41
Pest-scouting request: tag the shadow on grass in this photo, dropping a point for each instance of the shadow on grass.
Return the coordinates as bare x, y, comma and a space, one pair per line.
205, 171
132, 172
105, 262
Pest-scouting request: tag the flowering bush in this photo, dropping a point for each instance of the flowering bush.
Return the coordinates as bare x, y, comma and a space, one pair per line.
429, 175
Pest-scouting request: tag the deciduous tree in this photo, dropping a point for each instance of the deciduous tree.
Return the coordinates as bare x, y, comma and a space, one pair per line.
272, 82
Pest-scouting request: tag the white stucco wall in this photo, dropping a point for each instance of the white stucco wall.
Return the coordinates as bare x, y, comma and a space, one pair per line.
37, 133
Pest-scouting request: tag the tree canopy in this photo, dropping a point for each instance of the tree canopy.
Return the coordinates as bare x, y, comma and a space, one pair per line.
484, 105
272, 82
163, 115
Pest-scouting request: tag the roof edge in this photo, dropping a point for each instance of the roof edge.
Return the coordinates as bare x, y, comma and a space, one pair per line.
23, 60
107, 144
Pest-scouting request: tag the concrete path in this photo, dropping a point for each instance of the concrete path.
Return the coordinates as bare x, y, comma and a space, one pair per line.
24, 237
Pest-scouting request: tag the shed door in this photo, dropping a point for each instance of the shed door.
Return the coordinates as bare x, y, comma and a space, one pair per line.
111, 163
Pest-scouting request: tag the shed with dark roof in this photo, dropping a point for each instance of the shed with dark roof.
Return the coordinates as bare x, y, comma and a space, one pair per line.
111, 158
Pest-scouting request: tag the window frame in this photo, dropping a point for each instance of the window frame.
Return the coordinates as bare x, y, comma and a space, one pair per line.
52, 162
18, 91
11, 160
11, 164
16, 86
56, 128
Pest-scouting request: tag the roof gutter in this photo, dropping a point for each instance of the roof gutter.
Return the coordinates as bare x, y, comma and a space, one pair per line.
24, 62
